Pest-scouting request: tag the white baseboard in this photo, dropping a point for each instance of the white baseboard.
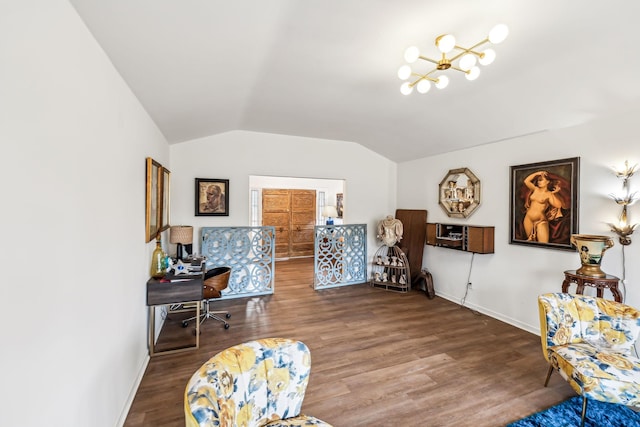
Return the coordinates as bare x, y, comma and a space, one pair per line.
513, 322
134, 391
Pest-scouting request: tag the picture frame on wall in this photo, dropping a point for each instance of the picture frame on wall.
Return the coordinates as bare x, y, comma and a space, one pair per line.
212, 197
544, 203
166, 198
153, 199
340, 204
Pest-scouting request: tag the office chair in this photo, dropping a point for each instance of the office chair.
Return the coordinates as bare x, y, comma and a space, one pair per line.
215, 281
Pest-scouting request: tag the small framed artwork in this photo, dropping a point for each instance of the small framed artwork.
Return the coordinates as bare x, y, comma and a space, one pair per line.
153, 198
544, 203
340, 204
212, 197
166, 194
459, 193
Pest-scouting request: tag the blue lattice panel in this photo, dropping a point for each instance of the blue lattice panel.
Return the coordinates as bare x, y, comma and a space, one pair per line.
249, 251
340, 255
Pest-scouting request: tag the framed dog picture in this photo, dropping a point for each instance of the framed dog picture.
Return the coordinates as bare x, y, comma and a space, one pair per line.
212, 197
544, 203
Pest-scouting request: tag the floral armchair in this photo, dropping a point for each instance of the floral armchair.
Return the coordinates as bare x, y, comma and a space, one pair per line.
589, 341
258, 383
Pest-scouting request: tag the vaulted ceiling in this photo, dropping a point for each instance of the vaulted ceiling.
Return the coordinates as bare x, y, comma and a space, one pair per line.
328, 68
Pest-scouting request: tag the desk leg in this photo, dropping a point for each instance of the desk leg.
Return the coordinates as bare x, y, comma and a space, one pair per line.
565, 285
152, 329
152, 333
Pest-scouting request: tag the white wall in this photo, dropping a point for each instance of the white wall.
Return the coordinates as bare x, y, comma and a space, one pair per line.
74, 141
506, 284
370, 179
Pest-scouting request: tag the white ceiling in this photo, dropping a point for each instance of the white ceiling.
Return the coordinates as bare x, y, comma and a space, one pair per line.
327, 68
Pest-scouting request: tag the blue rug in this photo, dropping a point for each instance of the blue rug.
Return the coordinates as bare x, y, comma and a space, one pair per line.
567, 414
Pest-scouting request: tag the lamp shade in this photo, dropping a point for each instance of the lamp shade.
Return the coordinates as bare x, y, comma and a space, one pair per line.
330, 212
182, 234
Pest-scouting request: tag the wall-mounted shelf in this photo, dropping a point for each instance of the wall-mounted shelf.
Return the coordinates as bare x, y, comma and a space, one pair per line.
469, 238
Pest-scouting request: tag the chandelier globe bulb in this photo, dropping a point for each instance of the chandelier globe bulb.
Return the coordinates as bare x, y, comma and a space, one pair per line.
487, 57
423, 86
411, 54
467, 61
404, 72
442, 82
445, 43
498, 33
406, 88
473, 73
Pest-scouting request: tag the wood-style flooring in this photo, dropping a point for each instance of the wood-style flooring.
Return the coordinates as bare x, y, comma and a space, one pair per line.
379, 358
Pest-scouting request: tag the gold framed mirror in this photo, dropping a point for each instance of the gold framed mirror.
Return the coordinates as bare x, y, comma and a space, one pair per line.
459, 193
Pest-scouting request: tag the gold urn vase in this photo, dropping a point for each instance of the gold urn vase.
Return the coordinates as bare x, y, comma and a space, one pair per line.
591, 249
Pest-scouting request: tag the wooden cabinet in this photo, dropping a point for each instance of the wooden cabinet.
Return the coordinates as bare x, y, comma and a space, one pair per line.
469, 238
293, 214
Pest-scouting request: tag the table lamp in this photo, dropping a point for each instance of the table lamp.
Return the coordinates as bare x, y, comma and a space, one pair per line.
330, 212
181, 235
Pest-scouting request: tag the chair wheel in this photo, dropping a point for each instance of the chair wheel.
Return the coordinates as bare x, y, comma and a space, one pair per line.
226, 326
228, 315
185, 324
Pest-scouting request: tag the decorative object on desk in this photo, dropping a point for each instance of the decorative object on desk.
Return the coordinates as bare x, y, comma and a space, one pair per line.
591, 249
459, 193
182, 236
544, 203
329, 212
180, 268
623, 228
567, 413
464, 60
390, 230
158, 260
212, 197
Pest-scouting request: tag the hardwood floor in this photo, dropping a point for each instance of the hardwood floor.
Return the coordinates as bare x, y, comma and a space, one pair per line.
379, 358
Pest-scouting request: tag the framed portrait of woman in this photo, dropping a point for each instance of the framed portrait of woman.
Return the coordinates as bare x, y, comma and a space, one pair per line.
544, 203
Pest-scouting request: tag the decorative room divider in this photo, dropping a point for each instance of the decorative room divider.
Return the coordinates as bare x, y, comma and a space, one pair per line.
249, 251
340, 255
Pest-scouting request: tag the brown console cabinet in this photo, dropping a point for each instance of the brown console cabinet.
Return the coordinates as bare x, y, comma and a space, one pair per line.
469, 238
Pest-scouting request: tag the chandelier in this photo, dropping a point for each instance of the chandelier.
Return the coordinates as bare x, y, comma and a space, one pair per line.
463, 59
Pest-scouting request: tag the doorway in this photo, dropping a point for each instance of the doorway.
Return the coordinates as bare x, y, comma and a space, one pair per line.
293, 214
328, 192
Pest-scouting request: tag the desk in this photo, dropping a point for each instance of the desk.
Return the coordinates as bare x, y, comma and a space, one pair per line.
600, 283
164, 293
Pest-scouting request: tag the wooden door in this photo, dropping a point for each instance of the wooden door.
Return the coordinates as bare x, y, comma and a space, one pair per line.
276, 208
303, 221
293, 214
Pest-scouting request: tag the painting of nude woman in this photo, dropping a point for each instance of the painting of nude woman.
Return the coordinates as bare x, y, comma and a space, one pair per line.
544, 203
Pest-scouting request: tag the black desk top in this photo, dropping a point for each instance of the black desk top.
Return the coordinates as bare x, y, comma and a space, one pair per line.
183, 288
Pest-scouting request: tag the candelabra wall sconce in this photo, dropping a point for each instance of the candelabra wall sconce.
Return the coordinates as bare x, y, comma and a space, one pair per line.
623, 228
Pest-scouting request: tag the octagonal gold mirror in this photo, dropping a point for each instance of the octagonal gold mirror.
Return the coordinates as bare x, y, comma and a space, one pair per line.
459, 193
